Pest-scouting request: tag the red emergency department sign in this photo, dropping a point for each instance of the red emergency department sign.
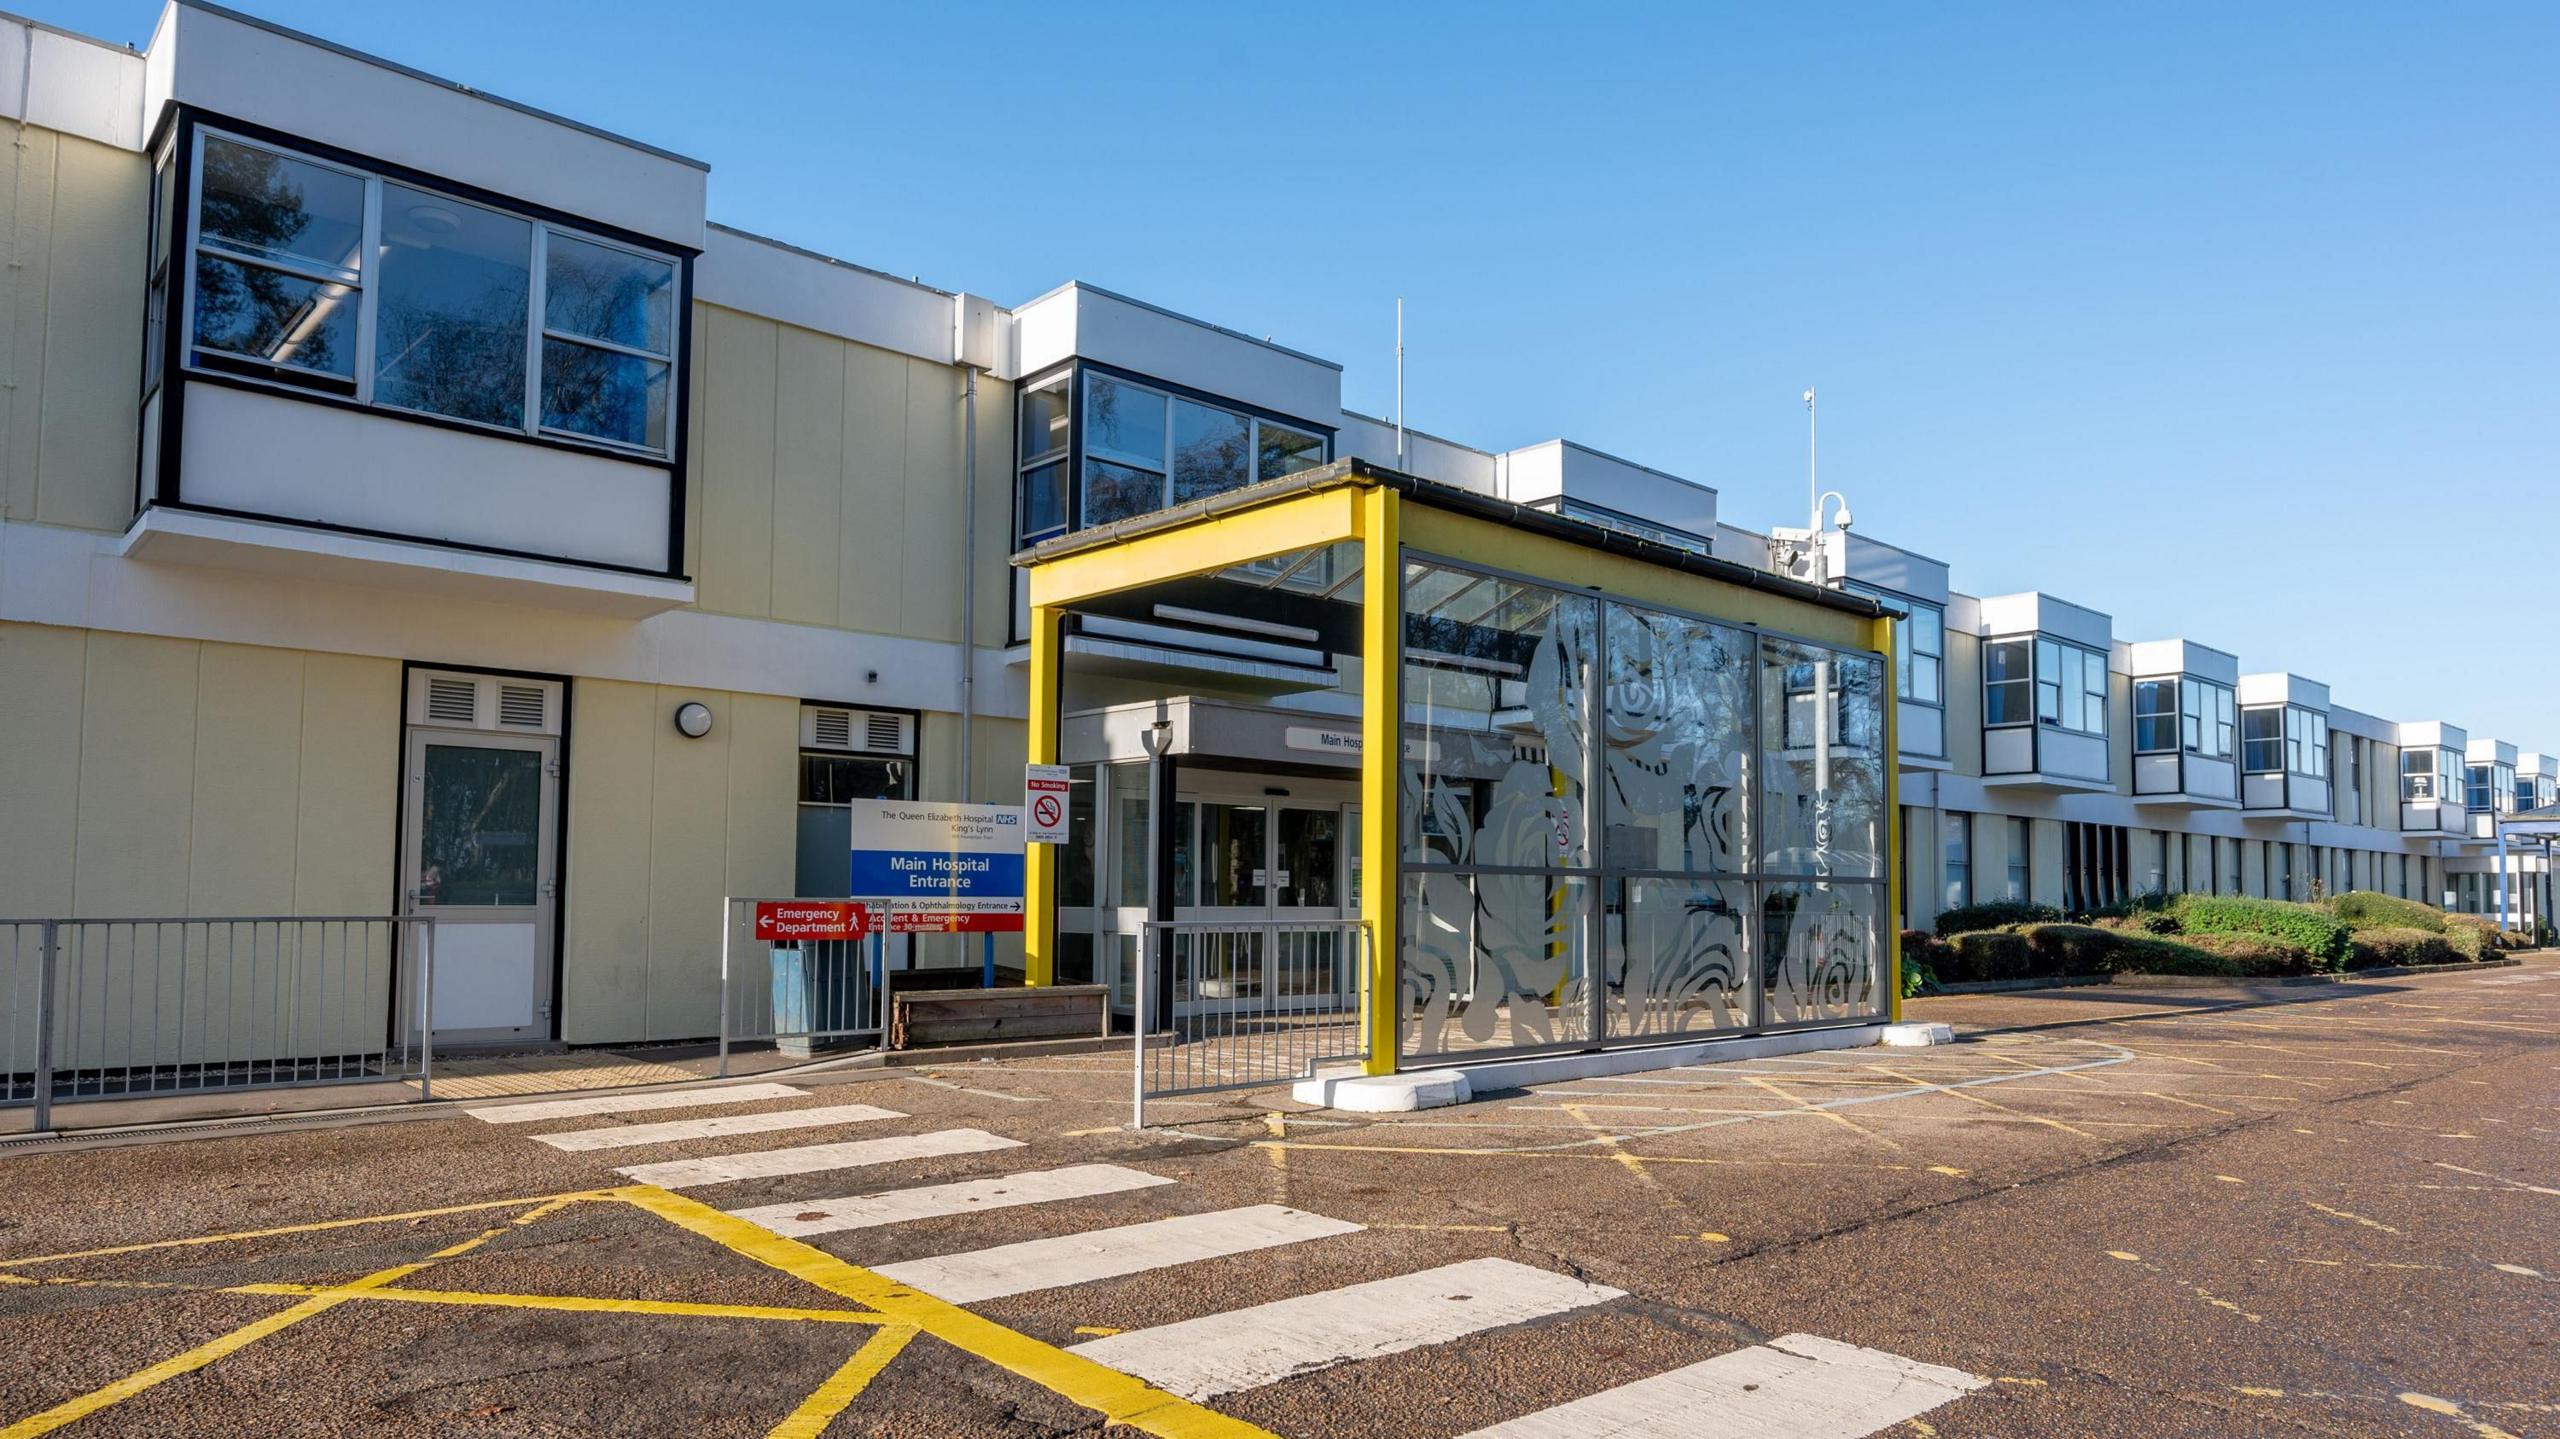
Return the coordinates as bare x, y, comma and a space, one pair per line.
792, 919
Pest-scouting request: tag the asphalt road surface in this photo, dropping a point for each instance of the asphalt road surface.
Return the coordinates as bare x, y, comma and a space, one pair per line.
2327, 1211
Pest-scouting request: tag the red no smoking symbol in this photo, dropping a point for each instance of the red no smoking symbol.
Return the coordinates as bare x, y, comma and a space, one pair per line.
1044, 810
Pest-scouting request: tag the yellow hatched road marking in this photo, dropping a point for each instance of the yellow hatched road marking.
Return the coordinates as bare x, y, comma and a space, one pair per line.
74, 1410
579, 1303
842, 1387
1118, 1397
548, 1203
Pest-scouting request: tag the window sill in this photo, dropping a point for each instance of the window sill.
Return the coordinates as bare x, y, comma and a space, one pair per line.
165, 535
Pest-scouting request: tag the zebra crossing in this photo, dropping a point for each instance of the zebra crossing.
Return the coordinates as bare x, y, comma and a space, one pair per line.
1799, 1386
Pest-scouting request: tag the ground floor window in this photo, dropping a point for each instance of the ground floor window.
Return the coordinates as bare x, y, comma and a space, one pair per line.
846, 756
2021, 867
1957, 835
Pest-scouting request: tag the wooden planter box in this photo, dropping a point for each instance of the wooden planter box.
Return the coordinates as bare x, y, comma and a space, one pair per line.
924, 1017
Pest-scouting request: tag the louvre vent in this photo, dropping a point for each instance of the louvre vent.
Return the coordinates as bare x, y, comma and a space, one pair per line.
831, 729
885, 732
458, 702
520, 706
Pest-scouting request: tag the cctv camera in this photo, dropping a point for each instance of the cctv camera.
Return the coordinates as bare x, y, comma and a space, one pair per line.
1844, 520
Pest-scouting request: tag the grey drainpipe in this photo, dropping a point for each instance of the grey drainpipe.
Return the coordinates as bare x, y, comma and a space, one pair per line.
968, 580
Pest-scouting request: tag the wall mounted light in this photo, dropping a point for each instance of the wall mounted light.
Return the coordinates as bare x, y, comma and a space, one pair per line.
693, 719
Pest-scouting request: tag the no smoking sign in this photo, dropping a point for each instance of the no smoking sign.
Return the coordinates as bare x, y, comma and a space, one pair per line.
1044, 790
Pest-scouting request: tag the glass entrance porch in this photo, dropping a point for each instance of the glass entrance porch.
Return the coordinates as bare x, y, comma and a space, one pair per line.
1630, 793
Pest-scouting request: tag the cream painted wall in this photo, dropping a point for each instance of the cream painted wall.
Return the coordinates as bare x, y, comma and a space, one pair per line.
2047, 874
660, 829
72, 214
826, 478
1964, 703
150, 776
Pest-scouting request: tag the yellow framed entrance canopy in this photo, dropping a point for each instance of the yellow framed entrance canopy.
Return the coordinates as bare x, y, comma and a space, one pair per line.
1389, 516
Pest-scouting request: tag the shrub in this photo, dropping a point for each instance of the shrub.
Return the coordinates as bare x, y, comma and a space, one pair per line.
2364, 909
2397, 947
2258, 954
1992, 914
2173, 956
1985, 954
1922, 954
2472, 936
2072, 948
2308, 927
2514, 939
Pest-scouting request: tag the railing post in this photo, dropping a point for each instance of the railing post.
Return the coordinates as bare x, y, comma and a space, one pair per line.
49, 942
426, 1009
1138, 1015
728, 922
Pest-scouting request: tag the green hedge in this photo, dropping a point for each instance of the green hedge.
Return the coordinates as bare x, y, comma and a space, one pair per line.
2364, 909
2258, 954
2472, 936
2308, 927
1986, 954
1993, 914
2399, 946
1923, 954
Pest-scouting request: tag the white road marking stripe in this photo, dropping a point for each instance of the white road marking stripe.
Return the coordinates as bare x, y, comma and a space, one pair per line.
1222, 1353
1111, 1253
815, 1158
629, 1103
932, 1201
628, 1136
1798, 1387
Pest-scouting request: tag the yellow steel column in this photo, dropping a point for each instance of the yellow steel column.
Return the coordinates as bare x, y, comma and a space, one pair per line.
1040, 861
1892, 818
1381, 763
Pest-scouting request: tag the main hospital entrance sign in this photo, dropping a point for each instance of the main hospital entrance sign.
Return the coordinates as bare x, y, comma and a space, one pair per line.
938, 868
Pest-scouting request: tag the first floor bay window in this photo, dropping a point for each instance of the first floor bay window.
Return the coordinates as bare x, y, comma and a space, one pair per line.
328, 277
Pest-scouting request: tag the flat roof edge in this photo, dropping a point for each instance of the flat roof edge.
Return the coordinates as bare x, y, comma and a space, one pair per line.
394, 66
1362, 474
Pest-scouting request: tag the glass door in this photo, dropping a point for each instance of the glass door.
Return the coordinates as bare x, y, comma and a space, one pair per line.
478, 857
1310, 865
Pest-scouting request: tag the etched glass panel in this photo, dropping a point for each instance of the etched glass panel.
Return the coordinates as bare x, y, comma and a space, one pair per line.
1822, 952
1492, 961
1822, 803
1676, 744
1678, 956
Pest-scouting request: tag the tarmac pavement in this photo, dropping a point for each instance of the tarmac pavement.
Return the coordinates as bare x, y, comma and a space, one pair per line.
2322, 1210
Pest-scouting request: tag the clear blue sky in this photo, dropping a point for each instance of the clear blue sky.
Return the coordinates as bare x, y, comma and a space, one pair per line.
2238, 322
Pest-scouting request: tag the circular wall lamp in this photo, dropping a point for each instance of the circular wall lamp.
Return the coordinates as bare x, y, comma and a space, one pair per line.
693, 719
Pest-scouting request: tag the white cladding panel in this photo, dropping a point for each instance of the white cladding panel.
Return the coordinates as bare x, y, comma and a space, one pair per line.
1899, 570
2155, 774
1429, 456
2213, 778
2077, 756
249, 72
2153, 659
2018, 614
2009, 750
1080, 321
758, 276
2489, 751
294, 460
2432, 732
2284, 689
66, 83
1921, 730
1559, 467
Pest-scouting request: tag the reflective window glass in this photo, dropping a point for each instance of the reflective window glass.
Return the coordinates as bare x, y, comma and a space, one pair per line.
1208, 451
1118, 492
265, 206
1675, 727
451, 313
1044, 420
602, 293
1124, 422
604, 394
1279, 450
270, 315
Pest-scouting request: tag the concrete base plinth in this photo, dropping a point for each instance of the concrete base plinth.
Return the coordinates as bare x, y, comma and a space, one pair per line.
1384, 1093
1917, 1036
1350, 1090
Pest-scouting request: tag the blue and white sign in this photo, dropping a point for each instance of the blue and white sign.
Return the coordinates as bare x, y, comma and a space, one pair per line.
962, 861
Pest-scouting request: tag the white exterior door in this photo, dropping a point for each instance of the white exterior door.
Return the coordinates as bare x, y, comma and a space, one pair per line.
479, 851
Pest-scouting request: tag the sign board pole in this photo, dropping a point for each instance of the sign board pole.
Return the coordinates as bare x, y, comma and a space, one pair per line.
987, 980
879, 952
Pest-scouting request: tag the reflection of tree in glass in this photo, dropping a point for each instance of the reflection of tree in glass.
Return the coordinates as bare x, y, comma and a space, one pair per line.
468, 363
250, 205
477, 817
